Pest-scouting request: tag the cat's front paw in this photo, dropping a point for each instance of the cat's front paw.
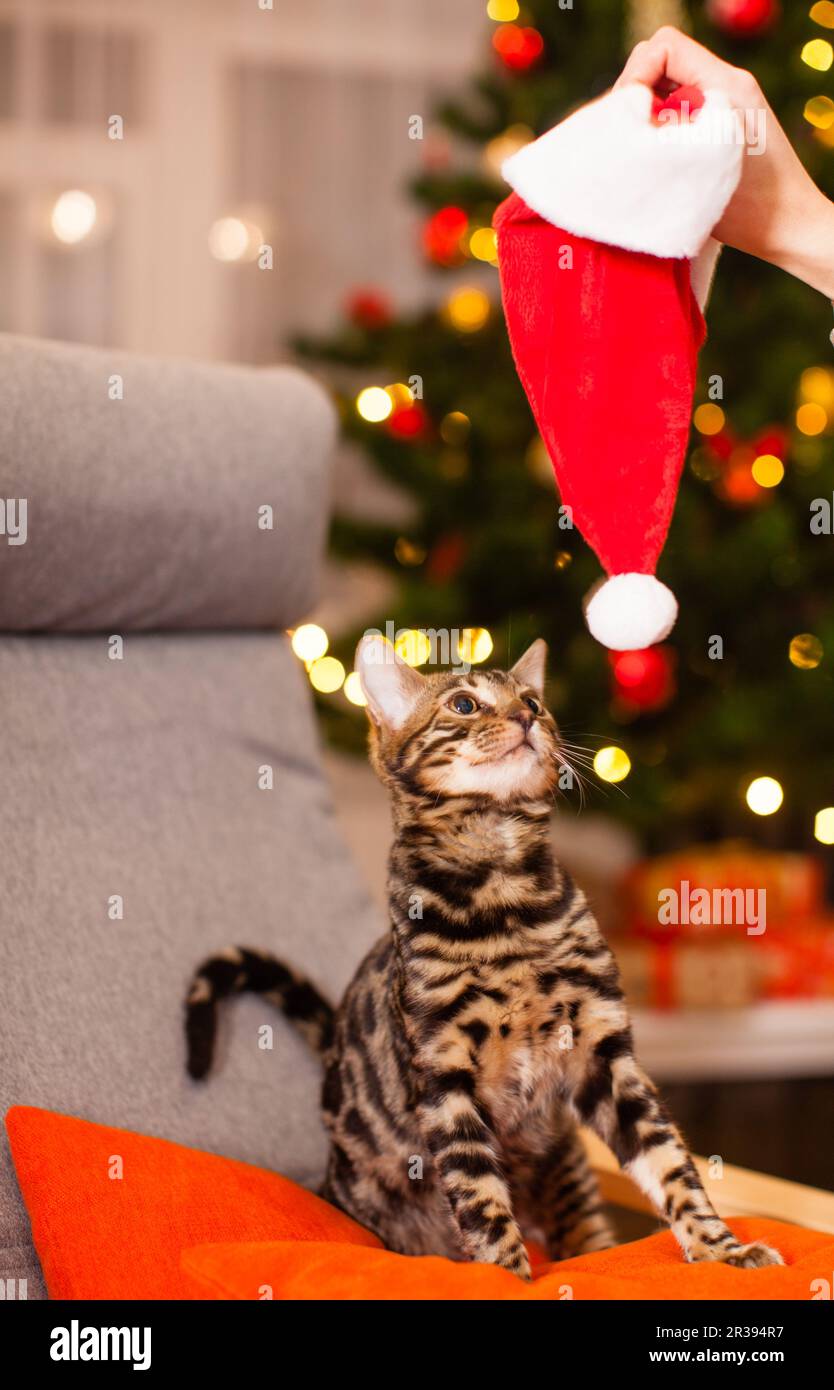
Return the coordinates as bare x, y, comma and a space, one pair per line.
755, 1256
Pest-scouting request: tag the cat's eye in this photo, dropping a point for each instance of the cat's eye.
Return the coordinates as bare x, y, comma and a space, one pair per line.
463, 704
532, 704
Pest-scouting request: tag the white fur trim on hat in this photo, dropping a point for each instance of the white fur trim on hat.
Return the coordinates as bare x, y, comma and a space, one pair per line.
610, 173
630, 611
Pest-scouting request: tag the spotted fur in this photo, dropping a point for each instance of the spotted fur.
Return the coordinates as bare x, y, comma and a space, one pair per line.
489, 1023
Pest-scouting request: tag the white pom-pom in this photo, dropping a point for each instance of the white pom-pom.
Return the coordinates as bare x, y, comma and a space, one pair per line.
630, 611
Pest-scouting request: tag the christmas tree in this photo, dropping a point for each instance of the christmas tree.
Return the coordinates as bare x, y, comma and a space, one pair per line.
742, 692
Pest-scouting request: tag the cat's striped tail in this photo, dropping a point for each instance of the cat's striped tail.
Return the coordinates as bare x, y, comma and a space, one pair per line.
239, 970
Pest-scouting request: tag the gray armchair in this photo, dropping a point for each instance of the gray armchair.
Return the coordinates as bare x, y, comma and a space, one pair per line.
135, 835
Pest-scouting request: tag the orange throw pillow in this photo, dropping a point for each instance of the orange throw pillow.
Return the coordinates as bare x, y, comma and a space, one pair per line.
646, 1269
121, 1215
111, 1211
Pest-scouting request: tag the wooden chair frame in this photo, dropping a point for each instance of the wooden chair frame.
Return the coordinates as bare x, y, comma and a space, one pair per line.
738, 1192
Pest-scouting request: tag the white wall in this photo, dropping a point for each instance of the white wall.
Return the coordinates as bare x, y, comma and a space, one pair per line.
300, 111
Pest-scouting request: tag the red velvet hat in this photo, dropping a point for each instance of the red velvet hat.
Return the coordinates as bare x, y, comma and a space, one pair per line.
606, 259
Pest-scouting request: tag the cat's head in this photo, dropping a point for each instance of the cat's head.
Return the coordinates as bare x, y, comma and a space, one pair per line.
487, 733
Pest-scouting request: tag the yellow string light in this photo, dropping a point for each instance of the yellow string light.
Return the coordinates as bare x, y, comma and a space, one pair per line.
484, 245
823, 13
764, 796
327, 674
824, 825
817, 385
475, 645
413, 647
353, 689
819, 112
818, 54
709, 418
538, 462
826, 137
811, 418
612, 764
309, 642
467, 309
401, 395
768, 470
408, 552
805, 651
455, 427
503, 11
374, 404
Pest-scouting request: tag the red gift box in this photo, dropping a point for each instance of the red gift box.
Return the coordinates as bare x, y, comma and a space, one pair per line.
729, 971
730, 887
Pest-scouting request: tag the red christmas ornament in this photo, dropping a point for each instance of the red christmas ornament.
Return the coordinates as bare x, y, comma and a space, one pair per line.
408, 421
773, 440
743, 18
721, 444
368, 308
518, 47
736, 484
443, 234
644, 680
446, 558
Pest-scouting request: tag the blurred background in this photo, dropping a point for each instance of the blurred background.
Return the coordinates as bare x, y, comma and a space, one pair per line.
225, 179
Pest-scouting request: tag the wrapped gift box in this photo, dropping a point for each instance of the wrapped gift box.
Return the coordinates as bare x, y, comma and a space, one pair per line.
728, 971
692, 889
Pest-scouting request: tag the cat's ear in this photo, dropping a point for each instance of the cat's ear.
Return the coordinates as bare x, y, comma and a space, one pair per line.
530, 668
391, 686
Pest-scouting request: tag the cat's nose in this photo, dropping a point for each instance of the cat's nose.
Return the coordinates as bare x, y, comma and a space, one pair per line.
523, 716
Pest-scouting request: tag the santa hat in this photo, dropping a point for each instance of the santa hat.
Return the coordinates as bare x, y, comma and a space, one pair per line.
606, 260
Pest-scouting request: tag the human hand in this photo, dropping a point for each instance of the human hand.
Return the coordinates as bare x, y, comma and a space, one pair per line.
777, 212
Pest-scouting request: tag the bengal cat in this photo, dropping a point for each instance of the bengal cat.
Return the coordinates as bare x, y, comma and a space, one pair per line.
489, 1022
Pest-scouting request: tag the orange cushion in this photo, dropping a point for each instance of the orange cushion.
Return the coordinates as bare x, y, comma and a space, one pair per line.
101, 1236
646, 1269
179, 1223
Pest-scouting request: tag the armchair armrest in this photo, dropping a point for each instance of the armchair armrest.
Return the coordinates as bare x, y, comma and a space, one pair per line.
739, 1192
